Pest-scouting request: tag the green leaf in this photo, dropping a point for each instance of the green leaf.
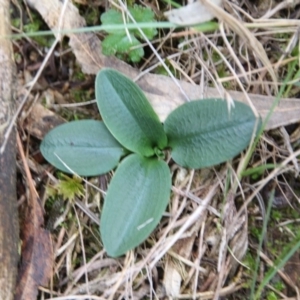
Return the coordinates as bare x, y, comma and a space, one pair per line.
204, 133
143, 15
109, 44
135, 55
112, 16
139, 13
122, 44
128, 114
135, 201
85, 147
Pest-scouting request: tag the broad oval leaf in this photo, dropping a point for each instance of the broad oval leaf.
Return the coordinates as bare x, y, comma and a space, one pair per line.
128, 114
135, 201
85, 147
204, 133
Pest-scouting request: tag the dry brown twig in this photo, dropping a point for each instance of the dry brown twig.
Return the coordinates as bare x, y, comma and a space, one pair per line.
9, 227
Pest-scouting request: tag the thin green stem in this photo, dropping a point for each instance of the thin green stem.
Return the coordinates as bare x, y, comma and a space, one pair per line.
275, 103
281, 261
172, 3
261, 239
209, 26
257, 295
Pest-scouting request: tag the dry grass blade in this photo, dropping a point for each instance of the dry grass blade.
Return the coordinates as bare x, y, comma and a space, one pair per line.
238, 27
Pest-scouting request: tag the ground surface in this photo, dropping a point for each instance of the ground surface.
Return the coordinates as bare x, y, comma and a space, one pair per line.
229, 249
